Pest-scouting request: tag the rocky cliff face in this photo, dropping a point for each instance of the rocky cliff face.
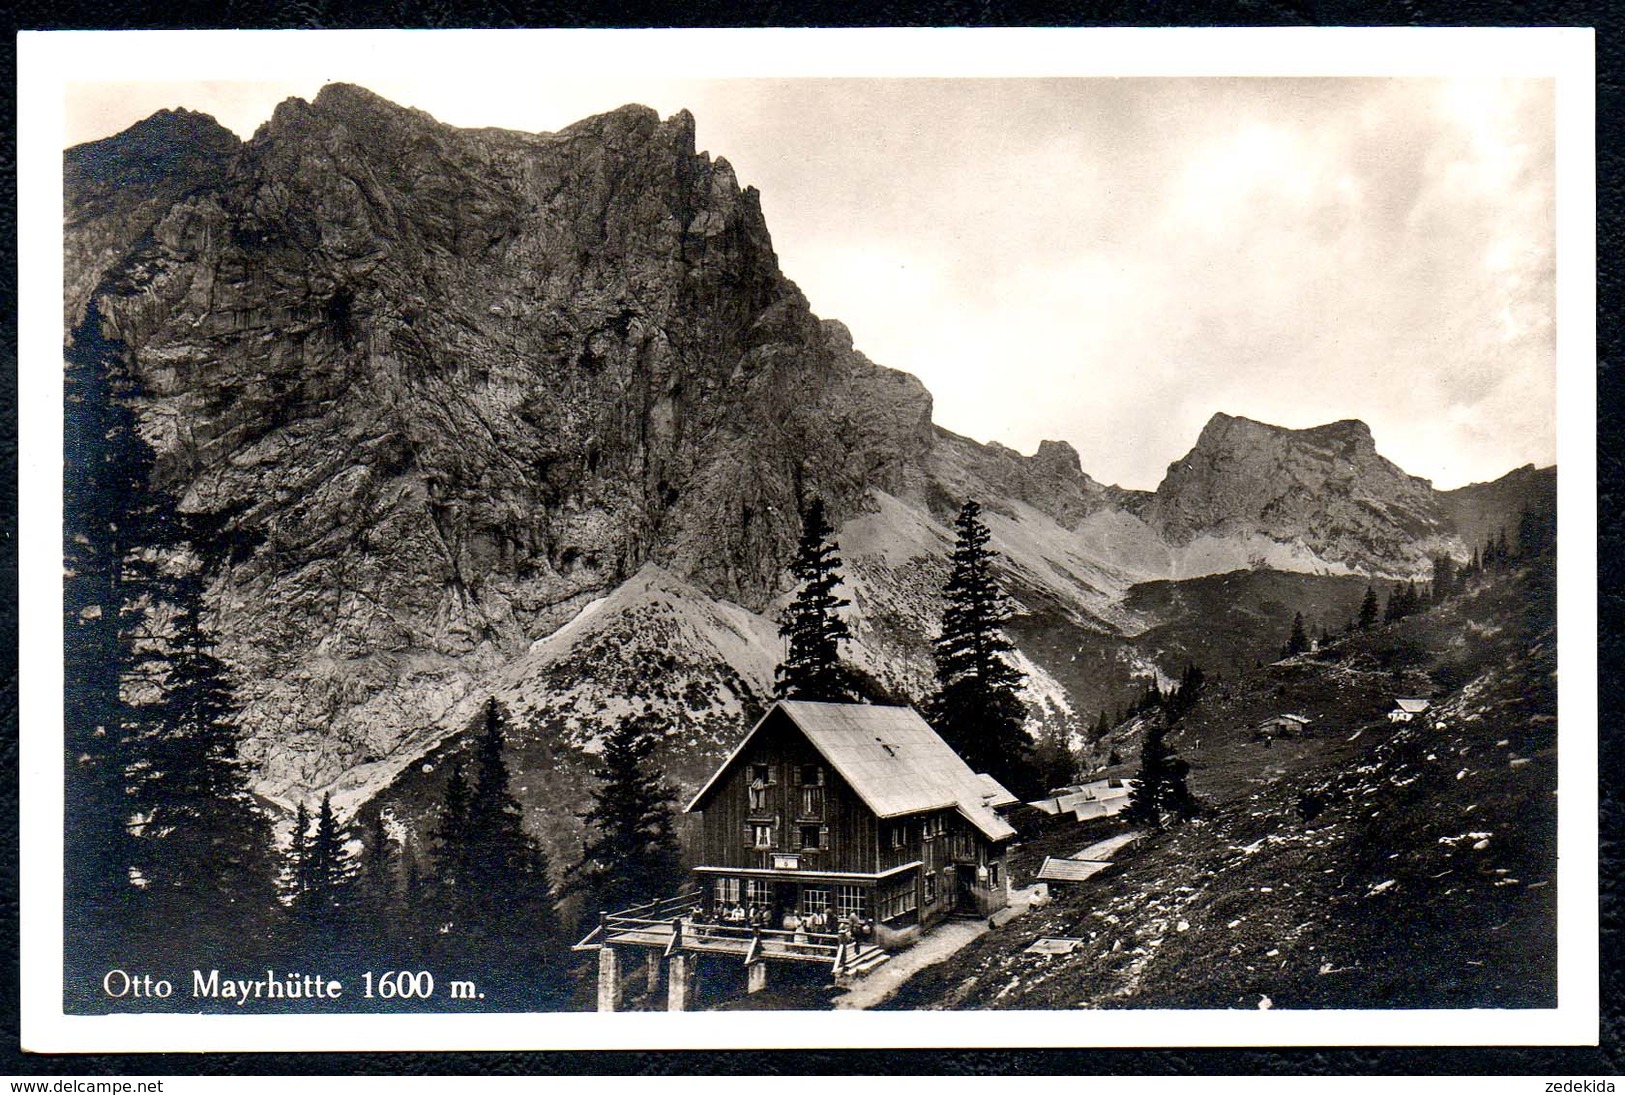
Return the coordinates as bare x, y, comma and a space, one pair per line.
536, 414
449, 386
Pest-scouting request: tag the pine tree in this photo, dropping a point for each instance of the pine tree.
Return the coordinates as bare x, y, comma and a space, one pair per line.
508, 928
977, 706
1368, 610
296, 872
813, 629
329, 898
1160, 796
107, 510
1444, 578
203, 842
158, 794
1298, 642
631, 853
1053, 755
451, 841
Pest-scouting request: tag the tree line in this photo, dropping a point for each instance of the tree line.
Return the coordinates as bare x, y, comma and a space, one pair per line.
171, 858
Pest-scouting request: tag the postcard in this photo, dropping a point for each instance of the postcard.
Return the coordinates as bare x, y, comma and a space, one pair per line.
582, 539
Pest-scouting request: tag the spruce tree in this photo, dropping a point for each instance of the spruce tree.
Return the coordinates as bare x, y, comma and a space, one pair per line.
1160, 796
1053, 756
204, 842
509, 929
330, 876
1298, 641
296, 872
107, 511
813, 629
157, 793
631, 853
977, 706
1368, 610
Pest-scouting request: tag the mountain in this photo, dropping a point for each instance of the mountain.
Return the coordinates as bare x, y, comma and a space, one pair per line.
479, 411
1363, 863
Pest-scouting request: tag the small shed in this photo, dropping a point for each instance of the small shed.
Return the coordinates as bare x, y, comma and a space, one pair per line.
1407, 709
1282, 726
1063, 873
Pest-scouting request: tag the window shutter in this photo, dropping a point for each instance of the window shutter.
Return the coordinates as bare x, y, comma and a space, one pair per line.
749, 837
772, 773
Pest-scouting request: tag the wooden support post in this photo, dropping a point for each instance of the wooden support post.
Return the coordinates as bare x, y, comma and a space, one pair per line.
609, 979
755, 977
679, 973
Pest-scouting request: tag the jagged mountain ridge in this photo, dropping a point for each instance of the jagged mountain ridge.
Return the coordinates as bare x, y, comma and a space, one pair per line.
449, 388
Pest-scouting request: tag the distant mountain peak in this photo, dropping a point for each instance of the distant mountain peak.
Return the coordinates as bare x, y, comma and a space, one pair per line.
1325, 487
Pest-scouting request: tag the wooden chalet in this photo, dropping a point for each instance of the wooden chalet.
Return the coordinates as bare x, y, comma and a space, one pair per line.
856, 812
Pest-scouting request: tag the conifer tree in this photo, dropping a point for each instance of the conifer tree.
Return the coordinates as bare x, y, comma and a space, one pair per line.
203, 841
1445, 580
104, 509
1368, 610
507, 926
296, 872
1053, 755
977, 705
1160, 796
813, 629
1298, 641
330, 874
631, 853
158, 795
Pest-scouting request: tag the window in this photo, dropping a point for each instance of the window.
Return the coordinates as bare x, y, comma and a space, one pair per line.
930, 889
897, 900
758, 891
993, 876
899, 834
851, 901
758, 797
812, 802
933, 826
814, 899
760, 773
761, 836
812, 775
727, 891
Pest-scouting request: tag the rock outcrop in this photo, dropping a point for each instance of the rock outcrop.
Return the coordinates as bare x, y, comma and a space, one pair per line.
1325, 489
447, 386
447, 391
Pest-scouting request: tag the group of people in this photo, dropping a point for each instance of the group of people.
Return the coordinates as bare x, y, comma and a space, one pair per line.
817, 922
735, 914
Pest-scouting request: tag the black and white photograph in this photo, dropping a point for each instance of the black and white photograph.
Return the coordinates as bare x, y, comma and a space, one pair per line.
699, 554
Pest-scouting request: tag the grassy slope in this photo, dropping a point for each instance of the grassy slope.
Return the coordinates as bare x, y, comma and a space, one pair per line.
1427, 878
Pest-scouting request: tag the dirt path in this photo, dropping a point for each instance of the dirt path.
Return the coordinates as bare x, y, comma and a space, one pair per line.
940, 942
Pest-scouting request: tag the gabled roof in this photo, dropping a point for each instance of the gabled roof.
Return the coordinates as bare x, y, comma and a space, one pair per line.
1415, 707
1301, 720
895, 762
994, 794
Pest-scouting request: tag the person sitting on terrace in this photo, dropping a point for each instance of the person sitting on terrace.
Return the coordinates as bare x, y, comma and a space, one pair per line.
736, 914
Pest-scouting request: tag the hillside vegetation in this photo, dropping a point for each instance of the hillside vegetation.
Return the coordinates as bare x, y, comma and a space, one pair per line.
1368, 864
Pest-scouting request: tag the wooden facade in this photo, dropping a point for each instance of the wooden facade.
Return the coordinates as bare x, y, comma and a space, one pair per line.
853, 812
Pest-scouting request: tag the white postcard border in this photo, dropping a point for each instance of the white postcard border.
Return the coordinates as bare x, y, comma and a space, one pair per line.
46, 63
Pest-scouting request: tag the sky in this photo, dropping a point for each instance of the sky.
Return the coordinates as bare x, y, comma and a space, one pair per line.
1109, 262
